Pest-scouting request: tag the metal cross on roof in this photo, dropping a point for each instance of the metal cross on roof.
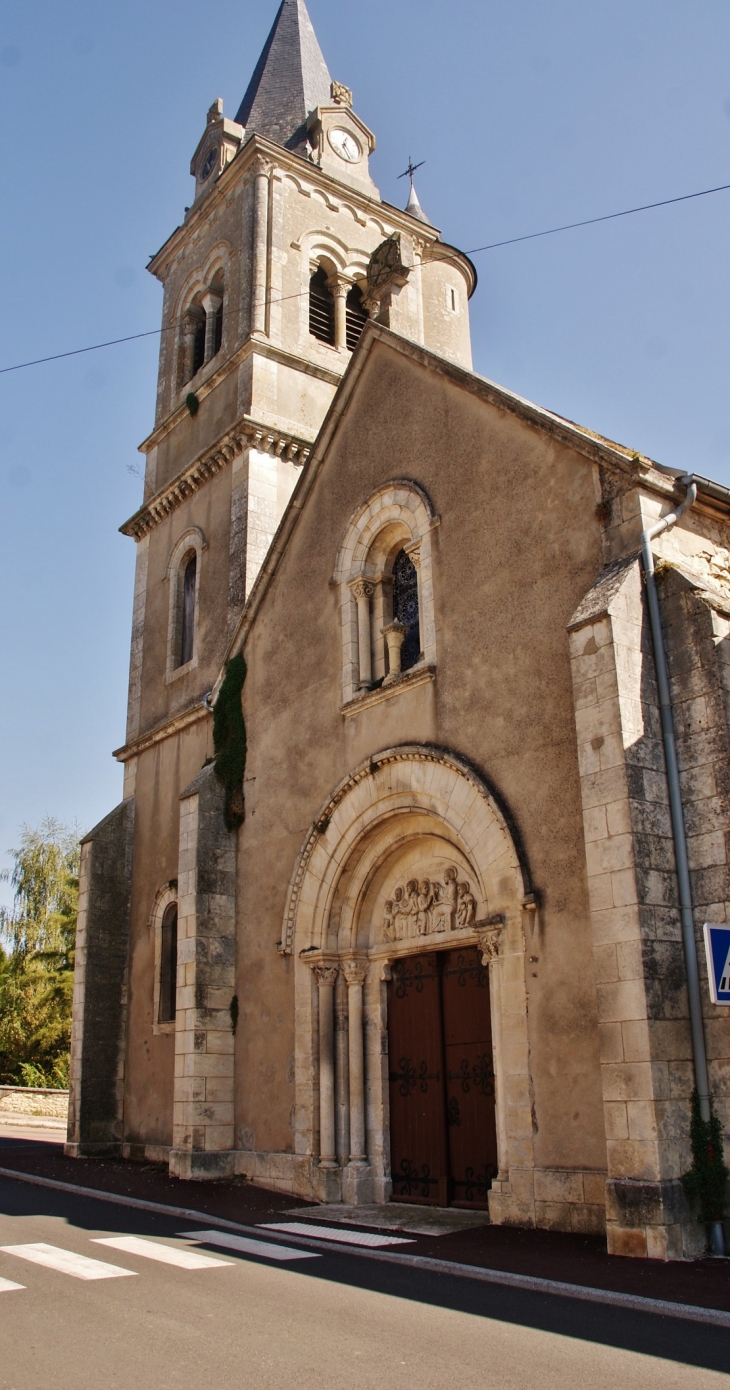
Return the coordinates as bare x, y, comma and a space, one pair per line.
410, 171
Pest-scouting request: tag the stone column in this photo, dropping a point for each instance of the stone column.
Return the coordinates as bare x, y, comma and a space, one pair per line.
211, 303
394, 634
362, 591
339, 290
355, 972
260, 245
326, 975
190, 324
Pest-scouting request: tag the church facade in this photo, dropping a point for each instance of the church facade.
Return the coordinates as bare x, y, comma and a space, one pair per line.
408, 926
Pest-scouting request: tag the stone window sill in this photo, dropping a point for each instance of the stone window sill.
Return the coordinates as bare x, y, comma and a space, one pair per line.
158, 1028
178, 671
418, 675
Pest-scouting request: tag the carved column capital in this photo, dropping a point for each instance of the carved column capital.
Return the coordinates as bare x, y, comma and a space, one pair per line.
325, 974
355, 971
261, 167
414, 554
490, 941
361, 589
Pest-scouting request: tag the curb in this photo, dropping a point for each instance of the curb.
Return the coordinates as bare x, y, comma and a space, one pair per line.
686, 1312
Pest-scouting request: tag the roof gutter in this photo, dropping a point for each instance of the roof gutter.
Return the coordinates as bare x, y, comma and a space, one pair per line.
679, 833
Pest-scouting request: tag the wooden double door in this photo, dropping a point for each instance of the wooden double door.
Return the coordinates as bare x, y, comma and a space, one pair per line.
443, 1138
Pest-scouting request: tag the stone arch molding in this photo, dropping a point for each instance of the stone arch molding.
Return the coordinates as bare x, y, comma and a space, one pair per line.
411, 812
399, 509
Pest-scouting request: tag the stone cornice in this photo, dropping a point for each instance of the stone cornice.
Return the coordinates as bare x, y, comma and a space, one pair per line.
204, 388
283, 160
166, 729
247, 433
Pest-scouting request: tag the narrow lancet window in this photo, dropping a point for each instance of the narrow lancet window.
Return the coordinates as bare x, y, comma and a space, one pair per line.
218, 329
199, 343
405, 607
187, 627
168, 965
356, 316
321, 308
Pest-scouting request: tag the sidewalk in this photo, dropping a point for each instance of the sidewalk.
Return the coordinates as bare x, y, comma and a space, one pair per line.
573, 1259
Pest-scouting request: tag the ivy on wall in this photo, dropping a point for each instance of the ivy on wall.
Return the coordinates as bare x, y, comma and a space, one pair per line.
707, 1177
229, 740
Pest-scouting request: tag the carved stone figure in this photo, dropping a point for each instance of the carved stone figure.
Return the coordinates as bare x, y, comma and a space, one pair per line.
426, 906
467, 908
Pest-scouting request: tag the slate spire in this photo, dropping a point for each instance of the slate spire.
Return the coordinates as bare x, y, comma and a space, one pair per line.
289, 80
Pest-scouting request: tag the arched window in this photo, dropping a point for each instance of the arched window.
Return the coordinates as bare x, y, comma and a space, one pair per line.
405, 607
356, 316
384, 567
187, 626
199, 341
321, 308
218, 329
168, 965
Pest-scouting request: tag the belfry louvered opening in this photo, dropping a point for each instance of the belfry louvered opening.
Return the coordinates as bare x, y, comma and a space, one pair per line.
321, 308
356, 316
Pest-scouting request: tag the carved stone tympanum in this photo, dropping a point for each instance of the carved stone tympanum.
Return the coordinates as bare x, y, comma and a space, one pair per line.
424, 906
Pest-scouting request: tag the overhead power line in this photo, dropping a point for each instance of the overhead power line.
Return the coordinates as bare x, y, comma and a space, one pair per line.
607, 217
492, 246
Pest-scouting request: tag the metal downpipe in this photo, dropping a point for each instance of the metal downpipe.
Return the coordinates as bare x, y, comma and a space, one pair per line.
679, 834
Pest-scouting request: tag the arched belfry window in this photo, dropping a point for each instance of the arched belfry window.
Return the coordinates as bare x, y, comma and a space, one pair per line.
321, 308
356, 316
187, 626
201, 330
218, 329
168, 965
199, 341
405, 608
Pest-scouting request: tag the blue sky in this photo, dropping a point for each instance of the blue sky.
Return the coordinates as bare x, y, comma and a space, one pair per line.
527, 114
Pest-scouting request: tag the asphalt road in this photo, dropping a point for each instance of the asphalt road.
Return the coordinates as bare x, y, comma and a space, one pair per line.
331, 1322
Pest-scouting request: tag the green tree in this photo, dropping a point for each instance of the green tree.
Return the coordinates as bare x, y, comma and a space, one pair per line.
37, 942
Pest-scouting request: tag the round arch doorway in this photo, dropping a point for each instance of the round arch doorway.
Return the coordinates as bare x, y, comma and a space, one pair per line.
409, 872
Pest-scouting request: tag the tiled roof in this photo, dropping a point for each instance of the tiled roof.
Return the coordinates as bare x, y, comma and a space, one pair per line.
289, 80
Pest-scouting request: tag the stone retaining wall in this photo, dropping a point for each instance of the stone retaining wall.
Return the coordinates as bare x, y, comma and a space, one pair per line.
33, 1100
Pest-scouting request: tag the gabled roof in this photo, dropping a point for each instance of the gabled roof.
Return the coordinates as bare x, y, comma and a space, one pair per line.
595, 447
289, 80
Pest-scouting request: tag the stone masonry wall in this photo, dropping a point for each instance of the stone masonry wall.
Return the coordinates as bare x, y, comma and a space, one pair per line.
203, 1103
96, 1099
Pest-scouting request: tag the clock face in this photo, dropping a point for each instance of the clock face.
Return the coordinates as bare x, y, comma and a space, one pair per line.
209, 162
345, 145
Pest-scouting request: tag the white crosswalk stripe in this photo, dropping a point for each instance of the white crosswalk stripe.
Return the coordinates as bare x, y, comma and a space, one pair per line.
166, 1254
341, 1237
266, 1249
6, 1285
66, 1261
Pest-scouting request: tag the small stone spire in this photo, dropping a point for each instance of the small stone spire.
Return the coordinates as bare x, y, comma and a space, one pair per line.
414, 207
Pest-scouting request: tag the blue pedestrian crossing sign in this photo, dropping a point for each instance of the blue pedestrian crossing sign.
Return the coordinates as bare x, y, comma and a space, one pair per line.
717, 949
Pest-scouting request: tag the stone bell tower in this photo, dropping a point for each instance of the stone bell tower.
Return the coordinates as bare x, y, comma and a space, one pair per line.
281, 192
